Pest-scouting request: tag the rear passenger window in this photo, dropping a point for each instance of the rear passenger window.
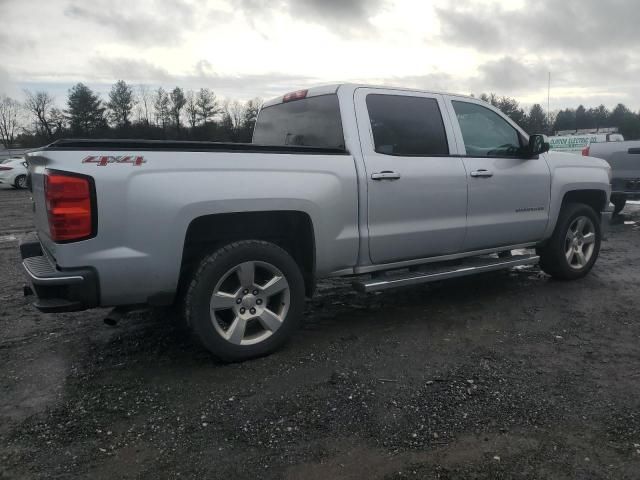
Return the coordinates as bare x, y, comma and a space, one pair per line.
407, 126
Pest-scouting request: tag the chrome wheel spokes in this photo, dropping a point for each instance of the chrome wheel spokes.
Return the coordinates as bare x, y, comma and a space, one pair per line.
580, 242
250, 302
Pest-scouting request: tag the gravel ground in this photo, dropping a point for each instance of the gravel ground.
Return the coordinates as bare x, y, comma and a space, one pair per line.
505, 375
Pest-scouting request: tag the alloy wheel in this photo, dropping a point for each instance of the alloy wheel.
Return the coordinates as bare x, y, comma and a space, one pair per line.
580, 242
250, 303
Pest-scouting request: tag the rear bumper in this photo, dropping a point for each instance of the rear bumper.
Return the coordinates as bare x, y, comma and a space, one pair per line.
605, 220
57, 290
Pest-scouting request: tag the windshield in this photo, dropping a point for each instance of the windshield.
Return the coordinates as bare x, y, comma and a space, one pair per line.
313, 121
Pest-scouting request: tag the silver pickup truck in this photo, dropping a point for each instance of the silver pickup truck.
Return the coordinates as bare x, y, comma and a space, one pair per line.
624, 160
388, 186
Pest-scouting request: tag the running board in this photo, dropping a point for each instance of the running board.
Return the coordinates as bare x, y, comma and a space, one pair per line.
434, 273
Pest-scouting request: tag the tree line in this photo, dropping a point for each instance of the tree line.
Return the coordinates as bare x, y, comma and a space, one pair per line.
128, 112
142, 112
536, 120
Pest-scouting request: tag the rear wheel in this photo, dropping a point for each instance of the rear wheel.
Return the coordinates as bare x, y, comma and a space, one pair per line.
574, 246
20, 182
245, 300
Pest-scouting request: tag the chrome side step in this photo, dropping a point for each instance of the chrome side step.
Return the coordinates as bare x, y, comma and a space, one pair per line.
433, 273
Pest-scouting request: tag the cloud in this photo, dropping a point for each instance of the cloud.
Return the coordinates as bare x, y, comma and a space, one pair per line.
468, 28
107, 70
567, 26
7, 84
162, 22
508, 74
435, 82
343, 17
130, 69
17, 43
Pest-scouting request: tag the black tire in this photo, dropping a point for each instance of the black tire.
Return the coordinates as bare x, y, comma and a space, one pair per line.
20, 182
214, 269
618, 203
553, 259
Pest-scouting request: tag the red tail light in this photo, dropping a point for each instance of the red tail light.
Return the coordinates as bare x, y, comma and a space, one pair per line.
70, 206
6, 168
585, 151
297, 95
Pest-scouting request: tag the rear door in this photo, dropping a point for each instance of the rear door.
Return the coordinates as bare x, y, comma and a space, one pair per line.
509, 194
417, 191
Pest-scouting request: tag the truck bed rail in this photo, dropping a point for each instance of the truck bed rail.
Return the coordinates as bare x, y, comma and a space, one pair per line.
186, 146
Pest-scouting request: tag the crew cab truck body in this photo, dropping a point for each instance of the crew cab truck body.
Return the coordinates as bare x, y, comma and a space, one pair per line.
389, 186
624, 160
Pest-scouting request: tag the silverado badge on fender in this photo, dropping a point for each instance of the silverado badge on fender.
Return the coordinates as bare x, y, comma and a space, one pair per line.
105, 160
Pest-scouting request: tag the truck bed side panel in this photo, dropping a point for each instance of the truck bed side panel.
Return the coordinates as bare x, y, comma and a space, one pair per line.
144, 211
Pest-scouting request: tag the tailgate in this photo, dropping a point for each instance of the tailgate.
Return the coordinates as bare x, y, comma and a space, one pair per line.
37, 168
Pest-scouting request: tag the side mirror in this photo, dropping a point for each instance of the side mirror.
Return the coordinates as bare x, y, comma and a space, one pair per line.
537, 145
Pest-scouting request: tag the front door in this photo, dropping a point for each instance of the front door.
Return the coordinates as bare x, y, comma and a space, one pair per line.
417, 191
509, 194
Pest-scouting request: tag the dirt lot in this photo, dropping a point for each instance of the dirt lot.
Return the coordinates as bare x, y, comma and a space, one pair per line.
507, 375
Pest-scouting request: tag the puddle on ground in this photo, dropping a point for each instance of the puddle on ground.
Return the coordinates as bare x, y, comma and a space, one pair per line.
8, 238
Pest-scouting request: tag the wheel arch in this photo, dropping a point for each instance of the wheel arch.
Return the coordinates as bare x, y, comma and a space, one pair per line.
596, 199
594, 196
292, 230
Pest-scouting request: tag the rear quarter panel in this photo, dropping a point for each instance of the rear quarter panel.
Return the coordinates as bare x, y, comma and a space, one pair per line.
144, 211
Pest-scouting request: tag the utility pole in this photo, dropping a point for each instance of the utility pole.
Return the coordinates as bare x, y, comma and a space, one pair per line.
549, 102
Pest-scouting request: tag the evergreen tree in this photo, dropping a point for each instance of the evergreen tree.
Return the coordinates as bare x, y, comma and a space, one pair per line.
565, 120
85, 111
121, 103
178, 101
207, 105
537, 120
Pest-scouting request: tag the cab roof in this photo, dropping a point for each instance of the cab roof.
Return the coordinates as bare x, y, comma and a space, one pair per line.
333, 88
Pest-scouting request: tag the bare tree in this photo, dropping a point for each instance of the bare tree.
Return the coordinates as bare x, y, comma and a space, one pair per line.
251, 110
161, 108
9, 123
191, 109
58, 121
40, 104
235, 112
144, 104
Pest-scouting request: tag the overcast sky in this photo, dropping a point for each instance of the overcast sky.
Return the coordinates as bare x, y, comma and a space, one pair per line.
247, 48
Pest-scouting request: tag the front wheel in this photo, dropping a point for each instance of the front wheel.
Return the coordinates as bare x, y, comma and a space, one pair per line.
245, 300
574, 246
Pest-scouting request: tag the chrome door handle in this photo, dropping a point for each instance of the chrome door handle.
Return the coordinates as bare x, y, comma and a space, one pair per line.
385, 175
482, 173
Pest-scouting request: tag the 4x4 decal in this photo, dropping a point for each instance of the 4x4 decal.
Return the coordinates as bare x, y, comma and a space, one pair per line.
104, 160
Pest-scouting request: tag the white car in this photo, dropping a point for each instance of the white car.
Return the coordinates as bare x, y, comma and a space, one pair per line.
13, 171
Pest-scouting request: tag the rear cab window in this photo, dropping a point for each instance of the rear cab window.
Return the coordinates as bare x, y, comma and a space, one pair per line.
312, 121
405, 125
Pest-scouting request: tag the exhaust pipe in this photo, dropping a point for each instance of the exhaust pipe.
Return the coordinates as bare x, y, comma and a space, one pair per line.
114, 316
